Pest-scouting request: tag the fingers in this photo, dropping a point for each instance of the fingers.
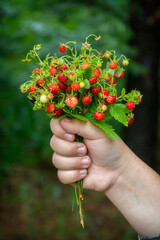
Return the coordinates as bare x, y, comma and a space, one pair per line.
68, 177
68, 149
70, 163
60, 132
81, 128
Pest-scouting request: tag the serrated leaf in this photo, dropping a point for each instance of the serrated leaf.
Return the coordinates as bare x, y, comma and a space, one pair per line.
93, 106
87, 84
111, 71
87, 72
106, 128
95, 61
118, 111
78, 116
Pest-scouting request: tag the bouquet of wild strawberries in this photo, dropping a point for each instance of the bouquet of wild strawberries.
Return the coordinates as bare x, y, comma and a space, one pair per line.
81, 85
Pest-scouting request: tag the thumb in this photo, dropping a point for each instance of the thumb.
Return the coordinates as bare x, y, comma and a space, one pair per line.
84, 129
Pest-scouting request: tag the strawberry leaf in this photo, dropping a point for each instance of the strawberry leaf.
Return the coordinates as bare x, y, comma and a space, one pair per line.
106, 128
87, 72
118, 111
78, 116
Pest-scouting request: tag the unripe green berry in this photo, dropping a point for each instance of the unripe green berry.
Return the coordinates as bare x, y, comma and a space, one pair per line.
44, 99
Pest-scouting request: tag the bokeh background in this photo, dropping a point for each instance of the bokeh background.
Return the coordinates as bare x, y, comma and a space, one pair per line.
33, 203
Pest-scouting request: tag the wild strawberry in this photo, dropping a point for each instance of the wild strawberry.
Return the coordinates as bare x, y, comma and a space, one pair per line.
99, 64
54, 88
139, 99
58, 112
62, 85
75, 86
32, 89
110, 99
85, 65
125, 62
68, 88
99, 116
44, 80
107, 77
44, 99
62, 68
102, 107
130, 105
62, 77
95, 90
82, 84
50, 95
96, 72
53, 71
50, 107
107, 55
111, 82
92, 80
85, 46
104, 93
112, 65
62, 48
37, 70
86, 100
39, 83
72, 74
32, 100
119, 76
71, 102
130, 120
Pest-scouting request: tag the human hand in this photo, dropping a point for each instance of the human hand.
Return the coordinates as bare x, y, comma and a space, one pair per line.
99, 161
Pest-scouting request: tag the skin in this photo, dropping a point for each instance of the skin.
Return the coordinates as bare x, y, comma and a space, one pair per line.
111, 167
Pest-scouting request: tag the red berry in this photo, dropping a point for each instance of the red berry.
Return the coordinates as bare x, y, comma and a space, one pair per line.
97, 72
130, 105
39, 83
113, 81
107, 55
62, 85
50, 107
75, 86
139, 100
32, 89
50, 95
62, 77
130, 120
92, 80
95, 90
110, 99
68, 89
54, 88
62, 68
62, 48
33, 100
44, 80
58, 112
71, 102
102, 107
99, 116
117, 75
108, 78
104, 93
112, 65
37, 70
53, 71
86, 100
71, 73
85, 65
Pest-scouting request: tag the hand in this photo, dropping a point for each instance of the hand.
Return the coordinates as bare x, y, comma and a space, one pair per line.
102, 156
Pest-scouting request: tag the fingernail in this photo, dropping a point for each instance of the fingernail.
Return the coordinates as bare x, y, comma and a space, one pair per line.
81, 150
67, 119
68, 136
83, 172
85, 161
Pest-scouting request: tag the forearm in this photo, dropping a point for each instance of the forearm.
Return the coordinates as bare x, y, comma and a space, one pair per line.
136, 194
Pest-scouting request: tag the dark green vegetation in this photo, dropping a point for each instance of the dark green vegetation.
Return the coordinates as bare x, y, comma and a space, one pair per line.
34, 205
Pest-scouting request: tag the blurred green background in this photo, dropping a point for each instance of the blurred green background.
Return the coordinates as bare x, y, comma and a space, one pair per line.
33, 203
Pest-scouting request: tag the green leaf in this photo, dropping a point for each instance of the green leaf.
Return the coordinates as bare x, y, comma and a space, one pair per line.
118, 111
87, 84
106, 128
78, 116
95, 61
87, 72
111, 71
